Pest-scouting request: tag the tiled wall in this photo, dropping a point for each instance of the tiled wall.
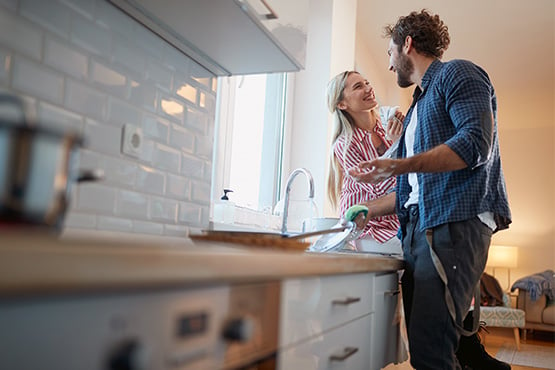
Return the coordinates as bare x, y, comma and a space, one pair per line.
84, 65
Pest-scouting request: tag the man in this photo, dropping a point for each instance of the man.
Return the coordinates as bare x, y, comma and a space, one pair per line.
450, 194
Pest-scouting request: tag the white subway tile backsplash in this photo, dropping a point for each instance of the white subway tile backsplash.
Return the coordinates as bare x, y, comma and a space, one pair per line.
189, 213
202, 99
85, 65
144, 227
156, 127
119, 172
37, 80
120, 112
163, 210
59, 118
179, 187
132, 205
115, 20
181, 138
107, 223
80, 221
85, 100
129, 56
20, 35
108, 79
180, 231
150, 181
154, 47
204, 146
172, 109
143, 94
159, 74
201, 75
196, 119
200, 192
166, 158
49, 14
103, 138
192, 166
95, 197
90, 36
187, 91
65, 59
83, 7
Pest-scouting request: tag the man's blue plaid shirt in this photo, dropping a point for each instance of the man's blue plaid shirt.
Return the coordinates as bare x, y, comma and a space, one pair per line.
456, 106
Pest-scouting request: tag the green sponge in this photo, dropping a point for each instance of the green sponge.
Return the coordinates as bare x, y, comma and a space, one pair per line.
354, 211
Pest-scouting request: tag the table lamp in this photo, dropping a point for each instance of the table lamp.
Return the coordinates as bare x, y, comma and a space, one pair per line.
505, 257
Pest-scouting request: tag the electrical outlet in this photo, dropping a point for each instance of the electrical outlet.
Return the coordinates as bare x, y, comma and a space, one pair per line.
132, 140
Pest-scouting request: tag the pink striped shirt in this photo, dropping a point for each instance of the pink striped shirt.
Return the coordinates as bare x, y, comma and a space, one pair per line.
361, 149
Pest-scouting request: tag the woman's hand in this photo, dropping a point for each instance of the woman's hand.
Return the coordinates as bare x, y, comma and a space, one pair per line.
395, 126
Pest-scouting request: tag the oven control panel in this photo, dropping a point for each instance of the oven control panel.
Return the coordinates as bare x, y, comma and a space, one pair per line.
222, 327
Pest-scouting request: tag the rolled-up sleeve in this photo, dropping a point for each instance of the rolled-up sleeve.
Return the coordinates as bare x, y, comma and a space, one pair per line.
468, 101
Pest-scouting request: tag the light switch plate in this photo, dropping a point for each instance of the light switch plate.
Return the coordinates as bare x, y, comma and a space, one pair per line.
132, 140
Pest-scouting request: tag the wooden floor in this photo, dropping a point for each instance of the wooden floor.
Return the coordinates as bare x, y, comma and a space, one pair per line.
495, 340
498, 336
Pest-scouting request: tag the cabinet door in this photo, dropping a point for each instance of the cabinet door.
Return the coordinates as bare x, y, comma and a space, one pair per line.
310, 306
346, 347
227, 37
387, 346
287, 21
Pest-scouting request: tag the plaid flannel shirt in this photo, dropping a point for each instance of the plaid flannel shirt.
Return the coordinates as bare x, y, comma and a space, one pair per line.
457, 106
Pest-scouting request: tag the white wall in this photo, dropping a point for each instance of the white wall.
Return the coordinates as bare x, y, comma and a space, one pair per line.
86, 66
330, 50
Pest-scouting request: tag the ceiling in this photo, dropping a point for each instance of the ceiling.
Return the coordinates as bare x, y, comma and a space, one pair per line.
513, 40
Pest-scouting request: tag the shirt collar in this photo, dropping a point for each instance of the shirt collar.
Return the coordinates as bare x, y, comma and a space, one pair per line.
360, 133
430, 73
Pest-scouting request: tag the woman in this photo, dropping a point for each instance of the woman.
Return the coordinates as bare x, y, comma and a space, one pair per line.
359, 136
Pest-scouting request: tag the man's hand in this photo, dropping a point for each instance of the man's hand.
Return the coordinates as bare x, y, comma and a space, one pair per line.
374, 171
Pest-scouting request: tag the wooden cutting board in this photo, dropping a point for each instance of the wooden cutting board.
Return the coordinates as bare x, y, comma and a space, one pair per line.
253, 239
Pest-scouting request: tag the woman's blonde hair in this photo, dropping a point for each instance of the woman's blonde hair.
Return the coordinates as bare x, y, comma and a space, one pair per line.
343, 125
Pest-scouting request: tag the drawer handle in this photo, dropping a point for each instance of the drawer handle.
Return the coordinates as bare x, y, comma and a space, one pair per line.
391, 293
347, 352
345, 302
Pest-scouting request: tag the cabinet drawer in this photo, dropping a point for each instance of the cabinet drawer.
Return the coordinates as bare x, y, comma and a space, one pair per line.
310, 306
346, 347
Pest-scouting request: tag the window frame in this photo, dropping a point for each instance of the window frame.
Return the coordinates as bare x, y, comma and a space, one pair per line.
275, 126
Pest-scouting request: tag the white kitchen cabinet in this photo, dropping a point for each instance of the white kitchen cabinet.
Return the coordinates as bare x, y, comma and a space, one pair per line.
335, 314
230, 37
343, 348
310, 306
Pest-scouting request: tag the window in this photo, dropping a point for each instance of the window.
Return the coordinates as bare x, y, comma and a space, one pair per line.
249, 139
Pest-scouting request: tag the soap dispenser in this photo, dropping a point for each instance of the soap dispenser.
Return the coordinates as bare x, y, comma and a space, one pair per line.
224, 209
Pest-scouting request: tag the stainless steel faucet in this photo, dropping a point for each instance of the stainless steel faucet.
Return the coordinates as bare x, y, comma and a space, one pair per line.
294, 174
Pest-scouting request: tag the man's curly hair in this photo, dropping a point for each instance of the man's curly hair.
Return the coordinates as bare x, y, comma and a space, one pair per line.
429, 34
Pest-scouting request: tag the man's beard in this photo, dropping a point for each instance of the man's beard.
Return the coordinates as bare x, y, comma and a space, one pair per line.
405, 68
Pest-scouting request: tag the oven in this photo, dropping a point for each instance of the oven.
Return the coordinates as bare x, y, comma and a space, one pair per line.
211, 327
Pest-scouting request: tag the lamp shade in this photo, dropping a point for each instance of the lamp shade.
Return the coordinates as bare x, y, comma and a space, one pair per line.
502, 256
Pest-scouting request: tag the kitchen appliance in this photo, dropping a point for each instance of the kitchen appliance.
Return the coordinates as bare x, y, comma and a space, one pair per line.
205, 328
37, 169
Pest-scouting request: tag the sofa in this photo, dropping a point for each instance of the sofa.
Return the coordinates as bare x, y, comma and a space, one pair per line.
540, 314
536, 297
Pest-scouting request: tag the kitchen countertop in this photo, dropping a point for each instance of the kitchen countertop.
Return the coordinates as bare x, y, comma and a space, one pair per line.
36, 264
